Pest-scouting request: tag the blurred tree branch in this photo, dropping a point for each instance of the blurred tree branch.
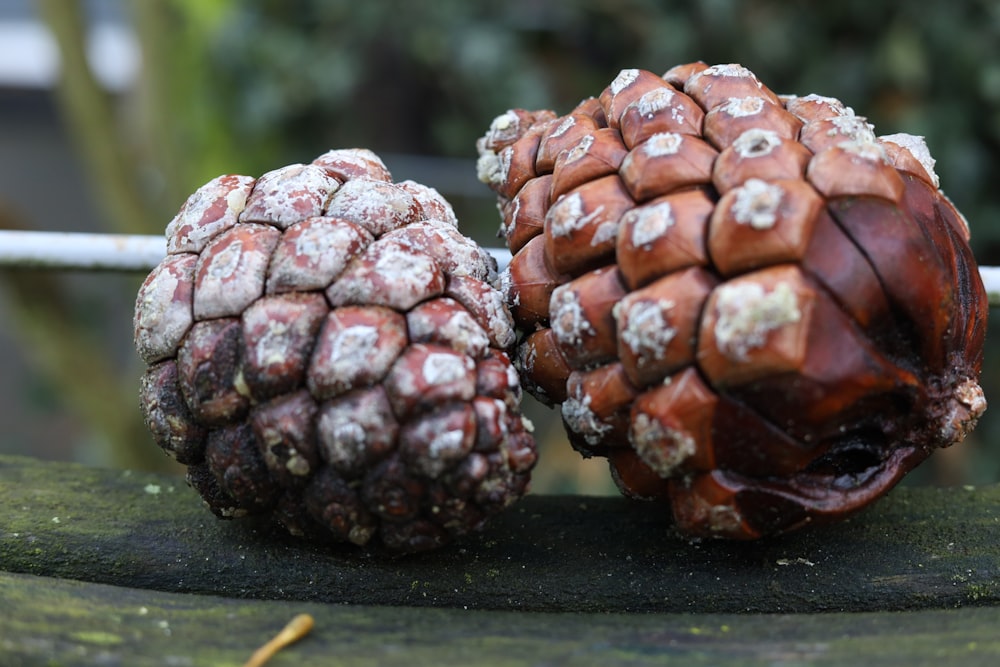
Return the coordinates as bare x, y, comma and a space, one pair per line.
61, 349
91, 116
188, 128
144, 154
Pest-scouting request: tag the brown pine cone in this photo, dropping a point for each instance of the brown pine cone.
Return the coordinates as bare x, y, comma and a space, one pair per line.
756, 308
325, 347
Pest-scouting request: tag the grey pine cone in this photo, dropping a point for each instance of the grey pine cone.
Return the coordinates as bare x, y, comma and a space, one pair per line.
326, 348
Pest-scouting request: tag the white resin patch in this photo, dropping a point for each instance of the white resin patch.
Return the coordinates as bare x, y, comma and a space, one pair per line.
513, 380
854, 128
747, 313
446, 445
343, 438
273, 345
378, 207
163, 311
625, 78
433, 444
506, 287
486, 303
567, 215
231, 271
316, 256
504, 128
756, 142
569, 322
757, 203
346, 432
492, 168
356, 162
440, 368
740, 107
580, 149
525, 357
431, 202
297, 464
647, 331
867, 150
399, 279
396, 264
581, 419
649, 223
454, 253
529, 425
834, 107
461, 332
315, 241
353, 346
728, 70
195, 225
488, 168
225, 262
662, 448
506, 155
289, 194
654, 102
971, 395
350, 353
509, 225
832, 103
725, 519
917, 147
663, 143
567, 123
606, 232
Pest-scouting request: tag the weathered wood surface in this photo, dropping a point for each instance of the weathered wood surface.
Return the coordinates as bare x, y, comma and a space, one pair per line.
58, 622
919, 548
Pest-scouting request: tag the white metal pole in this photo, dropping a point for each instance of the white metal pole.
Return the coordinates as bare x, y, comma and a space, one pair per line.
121, 252
100, 252
991, 280
88, 252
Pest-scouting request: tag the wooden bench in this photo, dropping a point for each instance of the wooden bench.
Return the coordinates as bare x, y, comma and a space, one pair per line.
118, 568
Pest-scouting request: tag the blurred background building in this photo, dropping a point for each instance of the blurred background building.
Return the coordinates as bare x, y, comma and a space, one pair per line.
111, 112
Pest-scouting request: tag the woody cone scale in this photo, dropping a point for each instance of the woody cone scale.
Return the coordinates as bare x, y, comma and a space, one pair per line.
762, 313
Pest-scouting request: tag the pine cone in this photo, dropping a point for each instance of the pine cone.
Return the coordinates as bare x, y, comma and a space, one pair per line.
754, 307
325, 347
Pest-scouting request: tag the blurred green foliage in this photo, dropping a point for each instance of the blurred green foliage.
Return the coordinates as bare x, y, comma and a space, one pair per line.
244, 86
427, 77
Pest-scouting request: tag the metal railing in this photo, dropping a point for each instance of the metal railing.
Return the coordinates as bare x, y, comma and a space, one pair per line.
119, 252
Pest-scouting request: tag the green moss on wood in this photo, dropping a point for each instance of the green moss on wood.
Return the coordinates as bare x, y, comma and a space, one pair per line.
60, 622
919, 548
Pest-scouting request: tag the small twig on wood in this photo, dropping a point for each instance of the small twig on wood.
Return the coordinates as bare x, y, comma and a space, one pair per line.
296, 629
